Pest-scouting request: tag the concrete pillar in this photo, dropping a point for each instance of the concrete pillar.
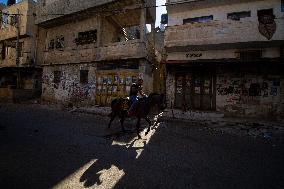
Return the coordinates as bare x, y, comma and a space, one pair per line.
153, 34
99, 31
143, 23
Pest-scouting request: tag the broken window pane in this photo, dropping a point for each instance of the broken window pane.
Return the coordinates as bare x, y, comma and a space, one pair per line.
84, 76
59, 42
87, 37
201, 19
238, 15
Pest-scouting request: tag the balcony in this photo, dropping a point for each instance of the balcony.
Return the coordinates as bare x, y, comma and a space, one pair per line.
217, 34
26, 22
11, 62
114, 51
66, 9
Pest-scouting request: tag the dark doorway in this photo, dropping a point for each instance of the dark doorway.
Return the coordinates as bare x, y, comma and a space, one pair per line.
195, 90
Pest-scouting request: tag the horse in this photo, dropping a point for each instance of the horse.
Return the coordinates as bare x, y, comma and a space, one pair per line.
119, 107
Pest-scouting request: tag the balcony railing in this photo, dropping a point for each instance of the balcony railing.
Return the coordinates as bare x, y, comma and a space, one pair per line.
218, 32
115, 51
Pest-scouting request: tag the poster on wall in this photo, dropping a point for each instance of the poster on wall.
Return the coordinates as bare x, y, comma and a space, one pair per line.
114, 89
109, 80
109, 90
179, 81
99, 90
207, 91
273, 91
121, 80
127, 89
207, 83
104, 90
128, 80
115, 79
197, 90
99, 80
104, 80
179, 90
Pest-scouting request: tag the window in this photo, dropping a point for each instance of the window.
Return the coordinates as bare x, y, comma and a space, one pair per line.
51, 44
4, 19
3, 52
59, 42
84, 76
86, 37
201, 19
238, 15
57, 76
13, 20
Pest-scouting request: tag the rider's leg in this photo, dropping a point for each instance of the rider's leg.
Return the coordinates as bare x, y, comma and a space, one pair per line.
134, 102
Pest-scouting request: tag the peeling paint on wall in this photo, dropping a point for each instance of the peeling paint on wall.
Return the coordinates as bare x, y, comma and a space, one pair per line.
248, 95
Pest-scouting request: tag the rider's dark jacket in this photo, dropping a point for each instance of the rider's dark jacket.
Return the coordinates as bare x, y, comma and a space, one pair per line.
134, 89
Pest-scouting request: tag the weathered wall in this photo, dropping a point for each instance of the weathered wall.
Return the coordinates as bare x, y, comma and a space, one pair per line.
219, 12
26, 22
221, 30
27, 55
51, 8
103, 84
69, 88
107, 35
250, 94
170, 89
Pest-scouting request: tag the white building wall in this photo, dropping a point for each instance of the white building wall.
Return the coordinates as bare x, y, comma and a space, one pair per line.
220, 12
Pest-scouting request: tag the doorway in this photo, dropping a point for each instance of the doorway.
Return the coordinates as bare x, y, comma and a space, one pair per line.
195, 91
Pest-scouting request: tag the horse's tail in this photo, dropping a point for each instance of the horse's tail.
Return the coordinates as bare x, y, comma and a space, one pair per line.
113, 103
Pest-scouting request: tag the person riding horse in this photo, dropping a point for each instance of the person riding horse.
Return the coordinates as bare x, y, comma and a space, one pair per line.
136, 93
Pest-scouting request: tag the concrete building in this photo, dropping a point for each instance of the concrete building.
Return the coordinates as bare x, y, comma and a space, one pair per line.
22, 78
91, 51
226, 56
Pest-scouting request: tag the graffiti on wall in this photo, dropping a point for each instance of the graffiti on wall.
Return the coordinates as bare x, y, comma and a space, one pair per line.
247, 90
68, 87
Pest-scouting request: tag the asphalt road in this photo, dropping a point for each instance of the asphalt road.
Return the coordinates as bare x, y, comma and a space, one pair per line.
43, 147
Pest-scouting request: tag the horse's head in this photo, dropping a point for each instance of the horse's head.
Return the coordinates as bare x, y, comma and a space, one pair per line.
158, 99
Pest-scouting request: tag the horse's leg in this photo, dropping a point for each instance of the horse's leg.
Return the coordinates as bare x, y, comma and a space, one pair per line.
149, 122
113, 115
138, 126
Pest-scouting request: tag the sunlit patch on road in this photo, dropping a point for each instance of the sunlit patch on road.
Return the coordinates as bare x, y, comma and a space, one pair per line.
107, 178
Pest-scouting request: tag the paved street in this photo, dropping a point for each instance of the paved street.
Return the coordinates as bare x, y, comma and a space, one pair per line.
42, 147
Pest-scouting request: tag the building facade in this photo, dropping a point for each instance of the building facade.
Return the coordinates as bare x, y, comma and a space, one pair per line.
226, 56
91, 51
19, 75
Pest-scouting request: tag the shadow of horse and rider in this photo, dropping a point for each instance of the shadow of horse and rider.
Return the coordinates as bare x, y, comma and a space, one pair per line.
123, 156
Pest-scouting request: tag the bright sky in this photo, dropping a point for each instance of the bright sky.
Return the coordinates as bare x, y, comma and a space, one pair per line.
160, 10
3, 1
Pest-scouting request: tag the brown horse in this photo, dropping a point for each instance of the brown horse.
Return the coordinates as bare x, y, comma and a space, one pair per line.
120, 106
